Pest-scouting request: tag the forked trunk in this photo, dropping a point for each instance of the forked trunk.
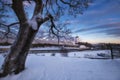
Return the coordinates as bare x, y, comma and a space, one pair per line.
15, 60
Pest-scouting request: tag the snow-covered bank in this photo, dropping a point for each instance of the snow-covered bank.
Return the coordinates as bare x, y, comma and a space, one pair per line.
91, 54
67, 68
46, 48
81, 54
4, 46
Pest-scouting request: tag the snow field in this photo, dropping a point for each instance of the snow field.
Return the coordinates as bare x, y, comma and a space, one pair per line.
67, 68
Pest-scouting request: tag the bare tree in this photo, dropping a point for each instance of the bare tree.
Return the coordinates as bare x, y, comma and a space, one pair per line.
45, 10
61, 32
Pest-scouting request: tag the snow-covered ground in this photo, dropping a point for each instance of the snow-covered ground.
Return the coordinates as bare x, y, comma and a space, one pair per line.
81, 54
91, 54
4, 47
74, 67
46, 48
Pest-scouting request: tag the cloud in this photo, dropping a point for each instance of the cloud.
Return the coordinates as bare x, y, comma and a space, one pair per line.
105, 26
104, 7
71, 21
109, 32
102, 11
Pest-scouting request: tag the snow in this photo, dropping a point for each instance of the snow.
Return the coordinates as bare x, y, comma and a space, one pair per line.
90, 54
68, 68
4, 46
1, 60
78, 54
45, 48
83, 47
33, 24
55, 48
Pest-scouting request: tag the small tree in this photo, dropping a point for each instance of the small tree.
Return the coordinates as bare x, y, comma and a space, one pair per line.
45, 10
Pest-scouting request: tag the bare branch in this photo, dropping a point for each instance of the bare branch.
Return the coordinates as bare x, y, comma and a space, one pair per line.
38, 7
8, 28
19, 10
46, 18
71, 5
29, 1
53, 26
13, 24
9, 24
3, 24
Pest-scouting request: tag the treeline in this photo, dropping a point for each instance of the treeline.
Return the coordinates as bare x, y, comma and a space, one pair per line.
85, 43
94, 46
47, 45
5, 44
106, 45
41, 44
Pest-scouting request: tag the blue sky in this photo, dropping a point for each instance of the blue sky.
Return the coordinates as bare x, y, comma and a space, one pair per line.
99, 23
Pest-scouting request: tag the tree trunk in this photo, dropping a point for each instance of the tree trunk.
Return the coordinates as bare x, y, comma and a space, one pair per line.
15, 60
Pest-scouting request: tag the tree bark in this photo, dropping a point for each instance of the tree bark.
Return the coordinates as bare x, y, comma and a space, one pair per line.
15, 61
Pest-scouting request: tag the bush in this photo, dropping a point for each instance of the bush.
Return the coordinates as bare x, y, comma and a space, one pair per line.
53, 54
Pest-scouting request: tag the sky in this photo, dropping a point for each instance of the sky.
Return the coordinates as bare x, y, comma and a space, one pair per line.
100, 23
